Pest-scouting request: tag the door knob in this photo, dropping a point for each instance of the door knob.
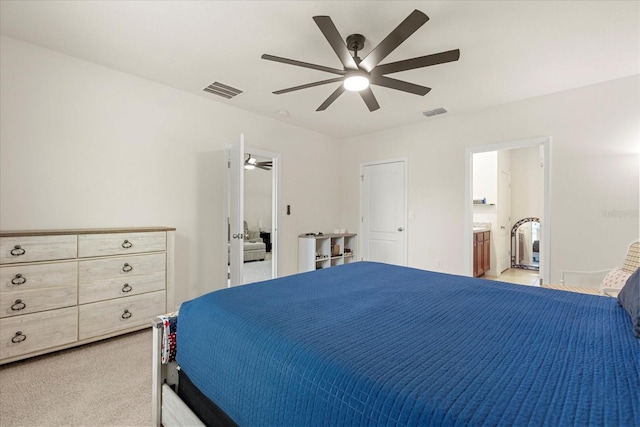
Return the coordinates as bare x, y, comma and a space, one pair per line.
400, 229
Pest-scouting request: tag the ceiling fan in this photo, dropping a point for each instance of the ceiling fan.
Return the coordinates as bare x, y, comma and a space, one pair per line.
358, 73
252, 163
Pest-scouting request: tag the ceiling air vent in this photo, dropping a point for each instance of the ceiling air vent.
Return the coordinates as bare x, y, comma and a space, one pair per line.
434, 112
222, 90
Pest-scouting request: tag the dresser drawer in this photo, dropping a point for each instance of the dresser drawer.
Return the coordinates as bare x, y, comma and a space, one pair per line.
32, 332
26, 277
121, 267
92, 245
37, 248
35, 300
99, 290
100, 318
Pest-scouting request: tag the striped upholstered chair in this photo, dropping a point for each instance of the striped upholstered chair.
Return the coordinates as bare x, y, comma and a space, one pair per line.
609, 281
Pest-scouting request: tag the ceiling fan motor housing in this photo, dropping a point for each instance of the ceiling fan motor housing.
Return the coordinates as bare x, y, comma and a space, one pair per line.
355, 42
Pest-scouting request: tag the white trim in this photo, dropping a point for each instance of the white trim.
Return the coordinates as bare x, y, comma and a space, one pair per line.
225, 216
404, 160
545, 223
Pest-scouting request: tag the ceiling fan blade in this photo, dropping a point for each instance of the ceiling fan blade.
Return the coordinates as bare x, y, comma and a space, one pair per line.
266, 168
369, 99
407, 27
331, 98
302, 64
332, 35
419, 62
399, 85
308, 85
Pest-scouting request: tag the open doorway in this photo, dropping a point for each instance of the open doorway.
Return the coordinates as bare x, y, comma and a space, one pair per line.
507, 183
252, 218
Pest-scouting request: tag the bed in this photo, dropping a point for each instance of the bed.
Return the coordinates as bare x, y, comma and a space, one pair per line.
375, 344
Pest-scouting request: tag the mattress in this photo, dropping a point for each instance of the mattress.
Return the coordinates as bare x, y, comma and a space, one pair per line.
375, 344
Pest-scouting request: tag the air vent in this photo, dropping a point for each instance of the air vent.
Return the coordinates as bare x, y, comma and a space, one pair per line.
222, 90
434, 112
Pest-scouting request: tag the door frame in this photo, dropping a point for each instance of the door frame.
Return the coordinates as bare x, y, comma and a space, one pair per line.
499, 266
275, 203
405, 161
545, 223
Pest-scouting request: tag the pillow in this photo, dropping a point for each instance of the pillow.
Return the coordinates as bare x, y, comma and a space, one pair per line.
616, 279
629, 299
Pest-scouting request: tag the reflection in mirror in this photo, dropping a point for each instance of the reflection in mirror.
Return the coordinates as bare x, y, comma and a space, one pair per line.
258, 218
525, 244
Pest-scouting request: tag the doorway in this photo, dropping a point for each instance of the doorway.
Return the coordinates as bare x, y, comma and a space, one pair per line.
542, 146
383, 207
252, 217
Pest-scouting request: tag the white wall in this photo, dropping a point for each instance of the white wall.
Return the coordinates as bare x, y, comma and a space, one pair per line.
86, 146
595, 135
527, 184
485, 177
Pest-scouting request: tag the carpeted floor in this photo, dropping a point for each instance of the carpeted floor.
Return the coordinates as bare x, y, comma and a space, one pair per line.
257, 271
107, 383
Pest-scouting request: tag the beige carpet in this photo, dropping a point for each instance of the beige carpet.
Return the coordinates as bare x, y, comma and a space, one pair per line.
107, 383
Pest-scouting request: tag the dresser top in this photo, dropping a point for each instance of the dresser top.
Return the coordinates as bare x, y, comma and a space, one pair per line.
20, 233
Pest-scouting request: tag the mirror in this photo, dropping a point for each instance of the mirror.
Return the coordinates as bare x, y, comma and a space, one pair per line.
525, 244
259, 219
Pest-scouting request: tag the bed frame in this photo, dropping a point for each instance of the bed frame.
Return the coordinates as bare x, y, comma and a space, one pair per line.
615, 403
167, 407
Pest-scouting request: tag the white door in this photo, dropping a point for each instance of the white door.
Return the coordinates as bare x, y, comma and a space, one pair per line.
504, 221
236, 211
383, 207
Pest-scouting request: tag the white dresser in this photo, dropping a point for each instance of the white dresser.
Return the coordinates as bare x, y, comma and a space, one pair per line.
62, 288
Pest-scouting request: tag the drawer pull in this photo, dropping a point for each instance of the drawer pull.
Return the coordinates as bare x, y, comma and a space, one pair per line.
126, 244
18, 337
17, 251
126, 314
18, 280
127, 288
127, 268
18, 305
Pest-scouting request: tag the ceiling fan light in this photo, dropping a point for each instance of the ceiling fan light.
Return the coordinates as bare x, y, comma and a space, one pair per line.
252, 160
249, 167
356, 83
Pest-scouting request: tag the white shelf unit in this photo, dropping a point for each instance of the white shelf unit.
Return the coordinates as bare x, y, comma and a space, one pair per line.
326, 250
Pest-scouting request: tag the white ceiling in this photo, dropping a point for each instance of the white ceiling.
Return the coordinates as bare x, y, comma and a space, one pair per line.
510, 50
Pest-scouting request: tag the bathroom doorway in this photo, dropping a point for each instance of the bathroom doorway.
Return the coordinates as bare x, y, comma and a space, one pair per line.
525, 165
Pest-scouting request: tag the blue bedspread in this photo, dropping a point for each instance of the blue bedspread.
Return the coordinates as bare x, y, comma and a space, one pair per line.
374, 344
